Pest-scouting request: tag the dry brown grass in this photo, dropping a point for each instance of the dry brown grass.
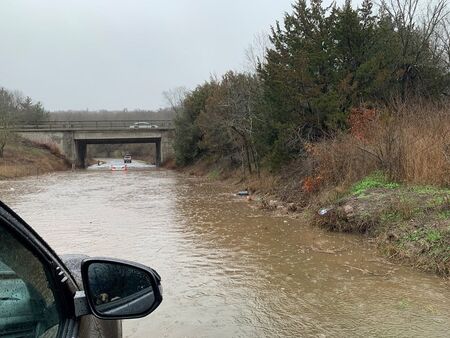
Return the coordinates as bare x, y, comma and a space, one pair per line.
423, 145
169, 164
51, 147
411, 144
341, 161
265, 183
23, 158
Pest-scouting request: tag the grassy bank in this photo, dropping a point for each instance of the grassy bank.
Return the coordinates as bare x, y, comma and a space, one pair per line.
24, 158
411, 224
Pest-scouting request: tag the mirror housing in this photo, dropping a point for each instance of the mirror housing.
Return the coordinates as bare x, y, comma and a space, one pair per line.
119, 289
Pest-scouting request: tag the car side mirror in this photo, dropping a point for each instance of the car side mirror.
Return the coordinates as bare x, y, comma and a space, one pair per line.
117, 289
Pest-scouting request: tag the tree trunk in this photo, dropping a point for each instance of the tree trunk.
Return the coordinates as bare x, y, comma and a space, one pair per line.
244, 150
242, 161
255, 158
247, 154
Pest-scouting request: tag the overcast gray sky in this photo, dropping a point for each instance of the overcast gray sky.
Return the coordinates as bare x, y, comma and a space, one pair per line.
112, 54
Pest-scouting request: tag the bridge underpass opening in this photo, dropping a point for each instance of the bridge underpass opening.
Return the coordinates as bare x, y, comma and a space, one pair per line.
148, 150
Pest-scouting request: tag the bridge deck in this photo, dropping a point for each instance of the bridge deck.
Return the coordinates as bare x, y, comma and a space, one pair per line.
95, 125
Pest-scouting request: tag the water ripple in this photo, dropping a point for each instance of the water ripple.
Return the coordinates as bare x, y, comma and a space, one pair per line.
228, 270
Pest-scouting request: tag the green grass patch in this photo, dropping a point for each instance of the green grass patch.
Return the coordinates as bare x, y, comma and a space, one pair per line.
429, 190
391, 217
376, 180
412, 223
444, 215
214, 174
433, 236
441, 200
430, 236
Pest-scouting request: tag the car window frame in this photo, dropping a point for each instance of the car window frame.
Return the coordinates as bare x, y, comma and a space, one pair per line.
62, 283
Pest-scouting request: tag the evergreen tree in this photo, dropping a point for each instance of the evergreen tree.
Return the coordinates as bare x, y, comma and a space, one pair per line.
187, 132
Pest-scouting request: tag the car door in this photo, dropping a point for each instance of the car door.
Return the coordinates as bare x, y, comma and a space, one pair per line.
40, 297
35, 288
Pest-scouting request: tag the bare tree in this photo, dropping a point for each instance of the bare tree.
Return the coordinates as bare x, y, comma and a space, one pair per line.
242, 93
256, 51
442, 41
416, 32
7, 108
175, 98
6, 134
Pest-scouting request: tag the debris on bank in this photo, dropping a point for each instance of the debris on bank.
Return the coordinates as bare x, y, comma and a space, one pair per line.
324, 211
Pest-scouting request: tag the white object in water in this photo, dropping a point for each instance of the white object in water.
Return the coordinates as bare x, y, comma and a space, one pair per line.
323, 212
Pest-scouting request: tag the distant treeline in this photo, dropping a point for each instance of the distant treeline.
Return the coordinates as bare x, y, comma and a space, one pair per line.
17, 108
106, 115
322, 63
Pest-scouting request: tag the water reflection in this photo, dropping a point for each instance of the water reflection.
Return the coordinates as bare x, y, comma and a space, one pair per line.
227, 269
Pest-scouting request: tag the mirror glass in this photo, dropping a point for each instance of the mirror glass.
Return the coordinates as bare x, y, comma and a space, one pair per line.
117, 289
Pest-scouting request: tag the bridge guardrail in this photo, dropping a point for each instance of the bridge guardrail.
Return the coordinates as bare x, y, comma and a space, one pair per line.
80, 125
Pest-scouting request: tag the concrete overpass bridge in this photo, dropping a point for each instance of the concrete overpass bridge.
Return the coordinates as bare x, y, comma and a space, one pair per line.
72, 137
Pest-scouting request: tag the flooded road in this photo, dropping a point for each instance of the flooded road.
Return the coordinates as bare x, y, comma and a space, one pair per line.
229, 270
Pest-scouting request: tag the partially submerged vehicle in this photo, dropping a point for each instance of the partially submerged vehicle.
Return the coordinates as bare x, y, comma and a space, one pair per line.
119, 167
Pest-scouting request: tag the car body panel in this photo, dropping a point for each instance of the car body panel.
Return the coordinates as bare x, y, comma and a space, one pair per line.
91, 326
82, 327
64, 277
65, 285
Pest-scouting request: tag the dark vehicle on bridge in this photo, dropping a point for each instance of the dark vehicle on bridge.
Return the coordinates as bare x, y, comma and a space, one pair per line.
44, 295
127, 158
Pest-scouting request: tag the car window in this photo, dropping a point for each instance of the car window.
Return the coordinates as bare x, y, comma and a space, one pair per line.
27, 302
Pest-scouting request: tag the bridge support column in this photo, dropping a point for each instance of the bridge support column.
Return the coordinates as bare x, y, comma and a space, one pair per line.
167, 151
158, 153
80, 154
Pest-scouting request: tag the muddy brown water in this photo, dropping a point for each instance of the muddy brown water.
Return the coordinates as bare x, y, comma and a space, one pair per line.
230, 270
